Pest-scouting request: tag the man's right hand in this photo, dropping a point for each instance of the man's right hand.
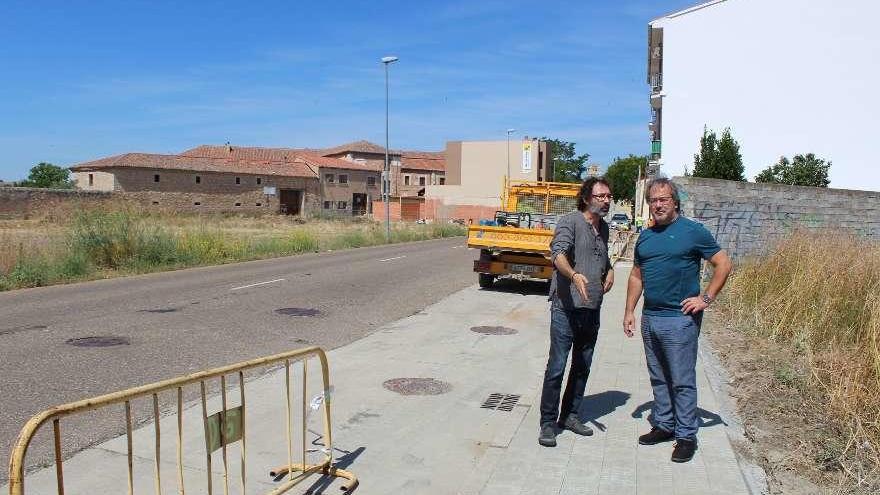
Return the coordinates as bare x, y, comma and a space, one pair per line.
629, 324
580, 283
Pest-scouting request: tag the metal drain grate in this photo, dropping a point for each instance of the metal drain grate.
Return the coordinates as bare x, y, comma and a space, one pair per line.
500, 402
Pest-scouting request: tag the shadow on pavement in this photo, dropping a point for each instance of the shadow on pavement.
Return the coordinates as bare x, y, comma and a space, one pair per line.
707, 418
524, 287
342, 462
602, 404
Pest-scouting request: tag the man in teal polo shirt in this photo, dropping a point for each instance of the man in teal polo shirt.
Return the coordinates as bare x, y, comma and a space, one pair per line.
667, 268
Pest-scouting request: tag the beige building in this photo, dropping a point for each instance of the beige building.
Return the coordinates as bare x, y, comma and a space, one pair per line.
476, 173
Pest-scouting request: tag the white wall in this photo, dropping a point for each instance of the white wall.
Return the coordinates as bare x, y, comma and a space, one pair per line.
787, 76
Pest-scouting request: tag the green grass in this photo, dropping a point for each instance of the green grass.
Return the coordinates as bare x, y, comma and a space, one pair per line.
122, 241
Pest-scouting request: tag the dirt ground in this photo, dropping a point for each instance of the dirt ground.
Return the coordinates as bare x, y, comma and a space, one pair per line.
787, 433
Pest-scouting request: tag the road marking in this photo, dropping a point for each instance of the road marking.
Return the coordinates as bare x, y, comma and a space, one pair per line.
457, 247
260, 283
394, 258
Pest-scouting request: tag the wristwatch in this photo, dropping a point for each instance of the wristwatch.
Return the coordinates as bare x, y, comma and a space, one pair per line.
707, 299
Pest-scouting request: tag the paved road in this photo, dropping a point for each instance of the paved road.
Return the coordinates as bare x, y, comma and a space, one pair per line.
189, 320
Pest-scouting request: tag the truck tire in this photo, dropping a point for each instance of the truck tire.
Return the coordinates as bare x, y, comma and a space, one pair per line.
486, 280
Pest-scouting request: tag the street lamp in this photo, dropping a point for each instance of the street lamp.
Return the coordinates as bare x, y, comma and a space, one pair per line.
386, 179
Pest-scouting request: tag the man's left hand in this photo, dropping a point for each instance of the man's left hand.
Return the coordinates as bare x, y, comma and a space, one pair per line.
693, 305
609, 281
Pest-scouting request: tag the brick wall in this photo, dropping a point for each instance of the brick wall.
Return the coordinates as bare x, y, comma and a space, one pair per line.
22, 202
747, 218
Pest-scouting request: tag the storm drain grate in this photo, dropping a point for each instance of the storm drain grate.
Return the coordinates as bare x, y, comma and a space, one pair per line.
501, 402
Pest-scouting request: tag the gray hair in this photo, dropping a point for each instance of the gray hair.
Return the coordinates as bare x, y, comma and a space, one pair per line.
663, 181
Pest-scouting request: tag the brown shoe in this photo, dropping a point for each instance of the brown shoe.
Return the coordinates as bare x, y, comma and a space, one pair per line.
655, 436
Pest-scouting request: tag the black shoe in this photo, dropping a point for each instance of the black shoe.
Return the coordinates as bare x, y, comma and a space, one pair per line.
574, 424
547, 438
684, 450
655, 436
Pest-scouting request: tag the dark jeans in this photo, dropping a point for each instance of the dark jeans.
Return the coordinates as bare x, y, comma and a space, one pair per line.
575, 331
671, 354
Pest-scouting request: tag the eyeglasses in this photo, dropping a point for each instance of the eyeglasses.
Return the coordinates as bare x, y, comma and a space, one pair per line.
603, 197
661, 200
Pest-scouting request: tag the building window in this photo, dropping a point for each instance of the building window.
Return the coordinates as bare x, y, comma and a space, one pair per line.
198, 179
405, 180
343, 178
421, 181
329, 178
259, 204
341, 205
155, 202
155, 177
197, 203
259, 181
237, 204
91, 180
371, 181
442, 180
327, 205
238, 180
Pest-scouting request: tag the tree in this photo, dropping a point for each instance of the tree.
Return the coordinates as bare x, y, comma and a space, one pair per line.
622, 175
47, 175
719, 159
802, 170
567, 167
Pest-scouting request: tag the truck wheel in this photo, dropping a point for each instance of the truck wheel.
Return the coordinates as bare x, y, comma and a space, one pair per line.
486, 280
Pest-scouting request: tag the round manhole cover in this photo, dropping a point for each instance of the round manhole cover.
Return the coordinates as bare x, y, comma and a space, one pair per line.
298, 312
417, 386
494, 330
99, 341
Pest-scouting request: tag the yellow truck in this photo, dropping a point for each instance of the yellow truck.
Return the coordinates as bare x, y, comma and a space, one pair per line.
516, 244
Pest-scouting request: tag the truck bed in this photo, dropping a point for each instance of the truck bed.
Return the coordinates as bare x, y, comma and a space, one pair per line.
514, 239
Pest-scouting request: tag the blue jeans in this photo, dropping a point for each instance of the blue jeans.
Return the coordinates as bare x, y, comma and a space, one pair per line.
671, 353
570, 330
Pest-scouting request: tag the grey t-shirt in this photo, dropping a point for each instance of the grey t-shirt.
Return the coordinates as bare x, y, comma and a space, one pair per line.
587, 252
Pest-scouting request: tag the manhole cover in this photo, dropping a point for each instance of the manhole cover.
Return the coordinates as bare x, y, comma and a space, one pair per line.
298, 311
417, 386
494, 330
99, 341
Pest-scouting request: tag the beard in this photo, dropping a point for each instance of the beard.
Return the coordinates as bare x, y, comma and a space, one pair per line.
600, 210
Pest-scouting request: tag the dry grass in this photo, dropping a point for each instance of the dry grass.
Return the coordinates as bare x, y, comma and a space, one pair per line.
78, 243
818, 298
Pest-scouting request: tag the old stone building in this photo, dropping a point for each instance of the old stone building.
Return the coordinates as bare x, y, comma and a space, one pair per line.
195, 183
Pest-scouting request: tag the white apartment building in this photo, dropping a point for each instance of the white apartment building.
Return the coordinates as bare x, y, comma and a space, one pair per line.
786, 76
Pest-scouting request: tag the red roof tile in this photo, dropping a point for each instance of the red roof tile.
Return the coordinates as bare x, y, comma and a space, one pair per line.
312, 157
423, 160
296, 167
357, 146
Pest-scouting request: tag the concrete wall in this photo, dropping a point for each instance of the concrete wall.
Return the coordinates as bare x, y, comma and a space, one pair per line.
94, 181
787, 76
748, 218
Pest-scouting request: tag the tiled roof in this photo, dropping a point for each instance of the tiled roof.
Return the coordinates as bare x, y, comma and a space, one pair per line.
423, 160
296, 167
358, 147
312, 157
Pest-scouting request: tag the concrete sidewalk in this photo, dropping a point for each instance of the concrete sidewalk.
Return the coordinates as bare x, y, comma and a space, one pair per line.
444, 443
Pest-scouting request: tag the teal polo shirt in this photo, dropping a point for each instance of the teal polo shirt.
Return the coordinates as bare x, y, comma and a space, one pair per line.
669, 257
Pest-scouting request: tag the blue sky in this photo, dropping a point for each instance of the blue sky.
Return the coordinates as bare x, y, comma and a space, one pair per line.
83, 80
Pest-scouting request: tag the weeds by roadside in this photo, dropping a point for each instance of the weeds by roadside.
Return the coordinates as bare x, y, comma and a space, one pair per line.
814, 304
95, 243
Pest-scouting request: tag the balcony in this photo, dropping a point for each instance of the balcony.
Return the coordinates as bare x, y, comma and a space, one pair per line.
656, 82
655, 148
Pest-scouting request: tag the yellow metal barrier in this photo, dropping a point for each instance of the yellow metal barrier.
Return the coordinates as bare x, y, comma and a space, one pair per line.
221, 429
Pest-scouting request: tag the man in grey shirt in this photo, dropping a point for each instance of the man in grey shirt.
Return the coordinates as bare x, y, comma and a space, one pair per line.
582, 275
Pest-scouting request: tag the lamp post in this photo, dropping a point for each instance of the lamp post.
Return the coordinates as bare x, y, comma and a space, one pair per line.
509, 131
386, 175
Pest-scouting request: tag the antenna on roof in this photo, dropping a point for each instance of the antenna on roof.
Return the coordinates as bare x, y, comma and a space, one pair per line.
228, 147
